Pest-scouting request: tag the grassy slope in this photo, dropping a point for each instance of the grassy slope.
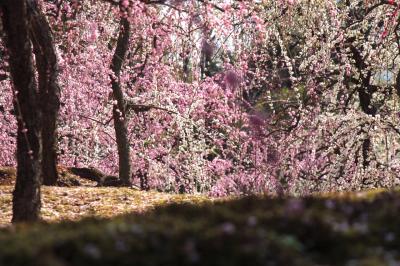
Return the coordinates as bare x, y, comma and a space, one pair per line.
350, 229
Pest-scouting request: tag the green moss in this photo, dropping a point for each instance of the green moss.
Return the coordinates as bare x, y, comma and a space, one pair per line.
340, 230
73, 203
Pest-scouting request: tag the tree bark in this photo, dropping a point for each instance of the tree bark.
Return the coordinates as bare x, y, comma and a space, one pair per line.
49, 90
365, 94
26, 196
119, 111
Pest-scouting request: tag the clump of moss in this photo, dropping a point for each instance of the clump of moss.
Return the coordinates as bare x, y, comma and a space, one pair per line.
247, 231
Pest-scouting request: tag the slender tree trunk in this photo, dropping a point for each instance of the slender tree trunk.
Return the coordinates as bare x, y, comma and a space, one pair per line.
365, 102
365, 94
26, 196
119, 114
47, 67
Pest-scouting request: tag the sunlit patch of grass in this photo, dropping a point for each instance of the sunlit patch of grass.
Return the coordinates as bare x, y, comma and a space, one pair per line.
5, 204
368, 194
74, 203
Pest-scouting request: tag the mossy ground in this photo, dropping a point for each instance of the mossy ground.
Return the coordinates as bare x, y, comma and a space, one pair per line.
74, 203
360, 228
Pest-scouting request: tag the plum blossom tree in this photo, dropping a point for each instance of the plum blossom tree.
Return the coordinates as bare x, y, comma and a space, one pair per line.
49, 90
26, 197
35, 106
228, 97
341, 112
149, 63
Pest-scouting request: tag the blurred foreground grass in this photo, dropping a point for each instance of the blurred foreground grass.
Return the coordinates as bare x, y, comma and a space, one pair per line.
359, 228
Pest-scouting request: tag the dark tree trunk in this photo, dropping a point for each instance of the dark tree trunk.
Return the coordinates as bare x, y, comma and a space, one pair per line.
26, 196
365, 103
365, 94
47, 67
119, 111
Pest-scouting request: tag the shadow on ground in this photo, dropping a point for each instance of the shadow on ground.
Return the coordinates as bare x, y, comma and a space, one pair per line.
351, 229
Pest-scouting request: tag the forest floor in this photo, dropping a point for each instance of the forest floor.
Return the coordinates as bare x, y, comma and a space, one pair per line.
74, 203
71, 203
125, 226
